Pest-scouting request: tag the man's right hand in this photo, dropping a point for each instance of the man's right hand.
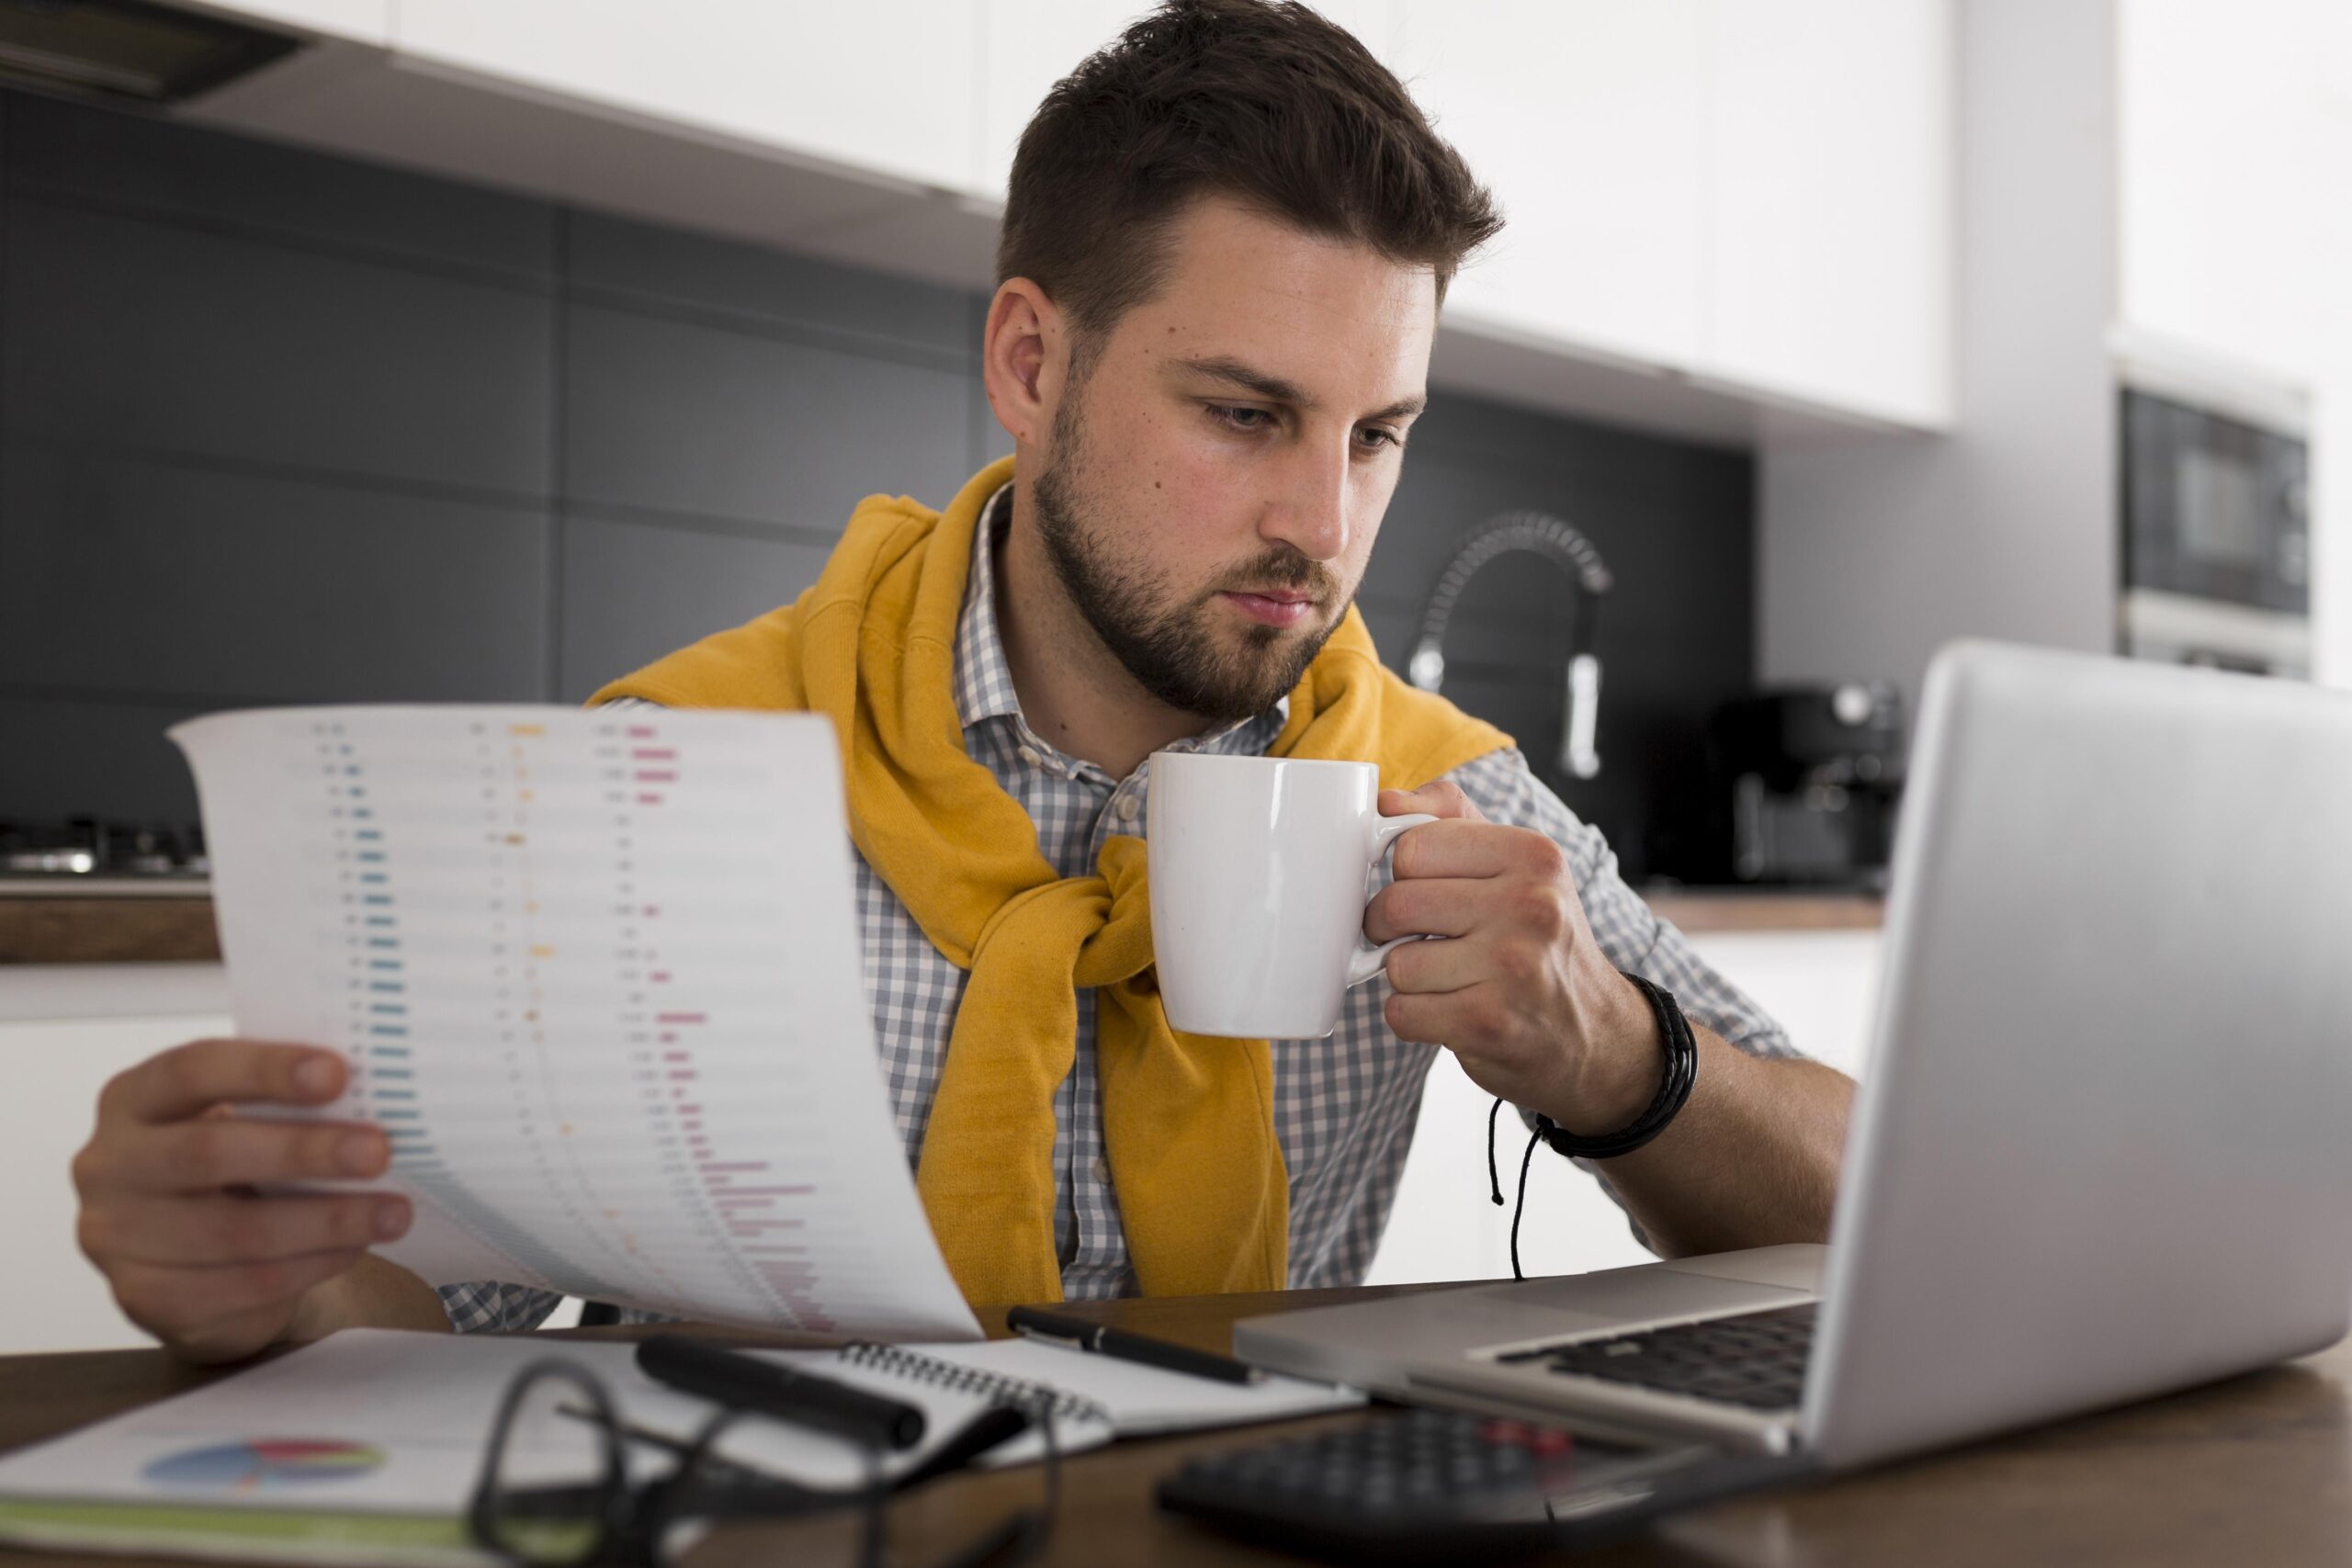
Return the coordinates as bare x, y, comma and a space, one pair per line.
170, 1216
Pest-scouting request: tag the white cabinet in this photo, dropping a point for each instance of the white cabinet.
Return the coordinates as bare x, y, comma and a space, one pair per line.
1753, 202
2230, 142
65, 1030
1443, 1225
54, 1069
1587, 120
1025, 46
1830, 215
881, 86
1759, 195
1820, 985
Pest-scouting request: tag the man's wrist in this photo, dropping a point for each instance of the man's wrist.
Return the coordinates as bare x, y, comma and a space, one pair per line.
1620, 1068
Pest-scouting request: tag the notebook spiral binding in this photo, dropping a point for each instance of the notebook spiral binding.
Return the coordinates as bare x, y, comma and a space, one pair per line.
1020, 1393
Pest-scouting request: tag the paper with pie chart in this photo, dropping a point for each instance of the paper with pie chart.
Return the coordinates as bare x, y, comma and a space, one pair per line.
597, 975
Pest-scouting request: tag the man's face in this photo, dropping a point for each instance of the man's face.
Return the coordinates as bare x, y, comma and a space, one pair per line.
1214, 483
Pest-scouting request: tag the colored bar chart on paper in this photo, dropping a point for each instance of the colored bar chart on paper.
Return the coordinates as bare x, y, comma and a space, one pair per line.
596, 976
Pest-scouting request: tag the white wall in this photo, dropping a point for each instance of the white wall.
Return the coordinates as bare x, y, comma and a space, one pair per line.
1871, 554
2235, 130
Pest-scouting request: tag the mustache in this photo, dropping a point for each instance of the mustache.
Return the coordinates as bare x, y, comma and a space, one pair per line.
1283, 569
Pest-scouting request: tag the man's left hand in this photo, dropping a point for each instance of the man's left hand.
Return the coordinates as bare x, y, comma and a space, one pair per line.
1516, 988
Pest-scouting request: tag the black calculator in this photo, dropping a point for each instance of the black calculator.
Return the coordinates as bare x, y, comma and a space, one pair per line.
1433, 1486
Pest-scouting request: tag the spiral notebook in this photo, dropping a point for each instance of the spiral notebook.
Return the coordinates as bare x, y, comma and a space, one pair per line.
1094, 1398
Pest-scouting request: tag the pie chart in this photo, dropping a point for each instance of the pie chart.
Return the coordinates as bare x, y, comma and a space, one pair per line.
260, 1463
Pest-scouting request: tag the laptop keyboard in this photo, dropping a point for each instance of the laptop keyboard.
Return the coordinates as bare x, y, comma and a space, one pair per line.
1755, 1360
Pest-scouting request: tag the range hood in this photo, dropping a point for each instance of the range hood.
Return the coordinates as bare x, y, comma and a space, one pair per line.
120, 52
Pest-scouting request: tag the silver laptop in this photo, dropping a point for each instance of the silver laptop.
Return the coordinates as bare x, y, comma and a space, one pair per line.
2103, 1149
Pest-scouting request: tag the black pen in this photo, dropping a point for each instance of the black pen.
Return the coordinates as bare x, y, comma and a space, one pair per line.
773, 1389
1032, 1323
997, 1423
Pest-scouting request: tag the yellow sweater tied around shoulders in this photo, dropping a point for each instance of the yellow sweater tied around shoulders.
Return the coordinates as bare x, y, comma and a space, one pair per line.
1188, 1121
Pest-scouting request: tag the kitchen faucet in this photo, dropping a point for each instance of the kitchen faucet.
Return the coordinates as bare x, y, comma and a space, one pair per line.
1531, 533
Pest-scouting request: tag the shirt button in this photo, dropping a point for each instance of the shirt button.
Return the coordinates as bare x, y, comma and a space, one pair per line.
1029, 755
1101, 1171
1127, 808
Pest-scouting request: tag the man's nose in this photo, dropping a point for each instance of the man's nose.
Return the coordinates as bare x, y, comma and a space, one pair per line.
1311, 515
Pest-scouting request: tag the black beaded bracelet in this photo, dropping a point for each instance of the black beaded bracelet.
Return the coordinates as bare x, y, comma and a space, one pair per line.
1680, 1049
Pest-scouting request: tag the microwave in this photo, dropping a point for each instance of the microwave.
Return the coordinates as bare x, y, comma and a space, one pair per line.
2216, 535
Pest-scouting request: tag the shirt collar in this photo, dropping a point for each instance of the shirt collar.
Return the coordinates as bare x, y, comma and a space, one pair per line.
984, 679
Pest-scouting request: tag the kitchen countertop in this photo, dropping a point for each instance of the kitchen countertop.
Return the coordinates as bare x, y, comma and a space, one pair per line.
162, 922
1712, 909
131, 921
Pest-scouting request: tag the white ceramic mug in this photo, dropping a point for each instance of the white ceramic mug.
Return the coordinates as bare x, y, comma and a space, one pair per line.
1260, 869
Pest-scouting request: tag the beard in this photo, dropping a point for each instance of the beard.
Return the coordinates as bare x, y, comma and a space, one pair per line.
1168, 640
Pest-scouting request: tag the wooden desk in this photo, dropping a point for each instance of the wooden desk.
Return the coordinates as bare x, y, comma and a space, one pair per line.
2256, 1471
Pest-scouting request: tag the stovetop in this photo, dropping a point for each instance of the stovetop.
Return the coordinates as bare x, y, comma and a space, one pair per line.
81, 850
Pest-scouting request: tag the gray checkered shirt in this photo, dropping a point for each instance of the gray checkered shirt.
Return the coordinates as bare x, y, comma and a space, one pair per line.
1344, 1107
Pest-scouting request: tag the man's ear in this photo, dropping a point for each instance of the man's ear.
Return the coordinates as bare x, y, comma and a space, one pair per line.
1025, 360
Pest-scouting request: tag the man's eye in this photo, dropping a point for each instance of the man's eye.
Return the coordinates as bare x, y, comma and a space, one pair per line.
1234, 418
1375, 437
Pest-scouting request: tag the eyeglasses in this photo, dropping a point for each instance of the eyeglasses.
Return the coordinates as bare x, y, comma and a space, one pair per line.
556, 1488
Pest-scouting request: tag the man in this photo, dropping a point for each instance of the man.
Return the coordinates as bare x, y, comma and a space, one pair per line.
1225, 243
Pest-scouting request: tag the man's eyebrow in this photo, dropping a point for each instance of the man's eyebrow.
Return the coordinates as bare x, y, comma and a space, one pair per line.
1276, 390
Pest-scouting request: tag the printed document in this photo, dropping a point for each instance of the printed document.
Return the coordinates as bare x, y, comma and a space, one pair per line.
597, 974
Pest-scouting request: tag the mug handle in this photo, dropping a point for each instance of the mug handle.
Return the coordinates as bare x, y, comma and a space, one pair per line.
1367, 959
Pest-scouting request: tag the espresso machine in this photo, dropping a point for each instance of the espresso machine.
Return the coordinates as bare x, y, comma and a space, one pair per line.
1810, 776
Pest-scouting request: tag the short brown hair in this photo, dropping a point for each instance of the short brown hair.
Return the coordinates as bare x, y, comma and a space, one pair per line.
1261, 100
